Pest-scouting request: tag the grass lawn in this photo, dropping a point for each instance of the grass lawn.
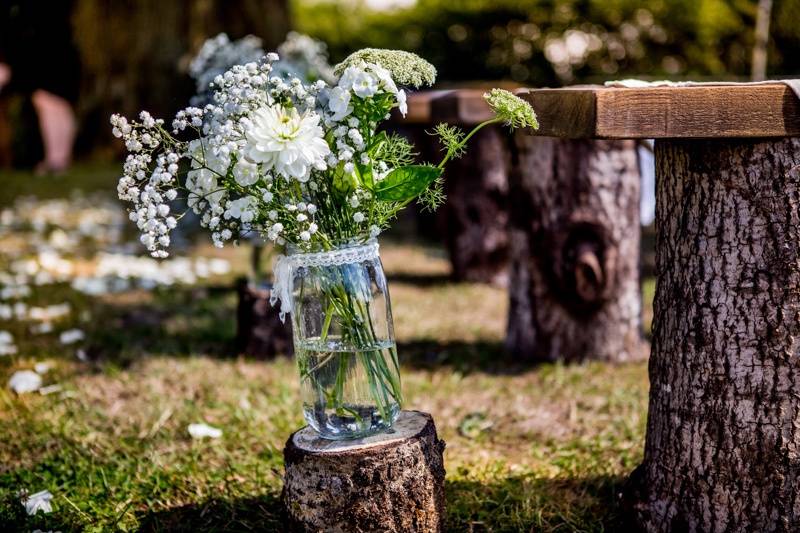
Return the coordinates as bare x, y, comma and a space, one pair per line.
542, 448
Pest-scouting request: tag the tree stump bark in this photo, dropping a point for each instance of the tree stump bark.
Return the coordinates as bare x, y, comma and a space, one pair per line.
574, 286
390, 482
475, 215
259, 330
723, 434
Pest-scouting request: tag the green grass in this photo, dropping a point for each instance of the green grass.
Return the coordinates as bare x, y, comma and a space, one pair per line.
549, 451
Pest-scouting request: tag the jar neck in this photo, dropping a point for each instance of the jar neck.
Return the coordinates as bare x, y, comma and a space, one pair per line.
293, 249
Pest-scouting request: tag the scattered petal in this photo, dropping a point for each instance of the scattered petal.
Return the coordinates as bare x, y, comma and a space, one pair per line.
23, 381
202, 430
38, 502
71, 336
42, 368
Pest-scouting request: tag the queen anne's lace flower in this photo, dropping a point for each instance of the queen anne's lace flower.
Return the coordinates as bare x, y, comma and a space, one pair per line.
405, 68
287, 142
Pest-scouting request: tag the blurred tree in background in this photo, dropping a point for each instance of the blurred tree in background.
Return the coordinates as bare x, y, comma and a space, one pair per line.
554, 42
134, 54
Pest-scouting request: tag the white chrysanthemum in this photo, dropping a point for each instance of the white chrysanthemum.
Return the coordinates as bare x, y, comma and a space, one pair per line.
287, 142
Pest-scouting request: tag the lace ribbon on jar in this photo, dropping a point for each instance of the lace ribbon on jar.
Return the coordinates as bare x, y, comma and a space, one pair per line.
285, 265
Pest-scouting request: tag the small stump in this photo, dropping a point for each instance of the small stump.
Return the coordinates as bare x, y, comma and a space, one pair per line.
259, 330
390, 482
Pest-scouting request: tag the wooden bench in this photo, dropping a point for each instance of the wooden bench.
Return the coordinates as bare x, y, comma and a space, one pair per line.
723, 433
572, 231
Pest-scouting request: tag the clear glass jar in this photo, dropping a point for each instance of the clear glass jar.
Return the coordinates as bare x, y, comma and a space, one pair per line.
344, 341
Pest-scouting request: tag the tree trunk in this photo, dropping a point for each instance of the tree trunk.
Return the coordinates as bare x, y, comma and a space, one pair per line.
723, 434
391, 482
475, 216
575, 235
259, 330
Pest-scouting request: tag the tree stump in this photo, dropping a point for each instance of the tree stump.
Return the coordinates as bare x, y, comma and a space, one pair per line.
259, 330
574, 285
723, 432
475, 215
390, 482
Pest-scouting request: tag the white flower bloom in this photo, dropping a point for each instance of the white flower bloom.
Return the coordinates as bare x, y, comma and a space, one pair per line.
358, 217
385, 77
23, 381
374, 231
305, 236
203, 430
38, 502
245, 173
339, 103
243, 209
402, 105
365, 84
286, 141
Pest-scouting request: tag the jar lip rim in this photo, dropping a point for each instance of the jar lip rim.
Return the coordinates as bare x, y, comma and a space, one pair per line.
293, 249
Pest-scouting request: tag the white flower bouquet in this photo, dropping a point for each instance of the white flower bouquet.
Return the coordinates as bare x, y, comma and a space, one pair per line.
306, 166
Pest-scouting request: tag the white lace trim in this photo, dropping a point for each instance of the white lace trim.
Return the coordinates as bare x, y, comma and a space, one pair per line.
285, 265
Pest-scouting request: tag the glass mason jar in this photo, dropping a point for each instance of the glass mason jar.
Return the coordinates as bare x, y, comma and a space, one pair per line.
344, 341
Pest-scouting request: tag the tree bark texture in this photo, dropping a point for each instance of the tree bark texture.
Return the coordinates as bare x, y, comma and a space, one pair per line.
723, 434
575, 234
391, 482
475, 215
259, 330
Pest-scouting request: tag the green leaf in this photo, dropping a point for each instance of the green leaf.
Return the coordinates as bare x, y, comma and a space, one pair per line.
406, 183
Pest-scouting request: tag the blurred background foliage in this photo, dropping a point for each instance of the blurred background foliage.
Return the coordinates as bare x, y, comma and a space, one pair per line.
555, 42
134, 53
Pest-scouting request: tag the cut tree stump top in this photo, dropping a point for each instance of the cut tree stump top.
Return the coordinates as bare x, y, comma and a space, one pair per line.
409, 424
597, 112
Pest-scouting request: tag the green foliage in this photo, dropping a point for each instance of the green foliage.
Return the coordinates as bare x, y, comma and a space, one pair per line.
406, 183
451, 138
394, 149
553, 42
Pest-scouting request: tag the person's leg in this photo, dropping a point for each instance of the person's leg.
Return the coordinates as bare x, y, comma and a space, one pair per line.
57, 124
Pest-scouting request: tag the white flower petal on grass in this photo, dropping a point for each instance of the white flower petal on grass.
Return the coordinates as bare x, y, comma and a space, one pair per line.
23, 381
71, 336
7, 344
203, 430
38, 502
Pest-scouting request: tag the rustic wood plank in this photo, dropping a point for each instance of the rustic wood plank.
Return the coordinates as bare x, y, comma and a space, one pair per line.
667, 112
419, 107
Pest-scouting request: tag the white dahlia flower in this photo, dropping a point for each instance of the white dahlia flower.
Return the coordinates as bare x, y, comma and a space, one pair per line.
287, 142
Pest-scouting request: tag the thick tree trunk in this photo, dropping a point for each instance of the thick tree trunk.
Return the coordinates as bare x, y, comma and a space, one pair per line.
475, 216
575, 235
723, 434
259, 330
391, 482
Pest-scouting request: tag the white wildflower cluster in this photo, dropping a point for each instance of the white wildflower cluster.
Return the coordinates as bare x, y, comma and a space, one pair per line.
296, 162
301, 57
216, 56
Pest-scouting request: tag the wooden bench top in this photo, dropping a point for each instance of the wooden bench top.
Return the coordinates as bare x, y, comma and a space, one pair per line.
770, 110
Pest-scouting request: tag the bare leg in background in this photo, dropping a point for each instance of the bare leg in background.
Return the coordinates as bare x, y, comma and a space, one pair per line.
58, 127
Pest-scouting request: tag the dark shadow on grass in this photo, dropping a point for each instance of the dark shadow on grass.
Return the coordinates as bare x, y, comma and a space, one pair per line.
262, 514
465, 357
528, 503
176, 321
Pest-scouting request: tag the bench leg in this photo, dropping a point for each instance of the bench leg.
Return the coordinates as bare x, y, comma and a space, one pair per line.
723, 433
574, 286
